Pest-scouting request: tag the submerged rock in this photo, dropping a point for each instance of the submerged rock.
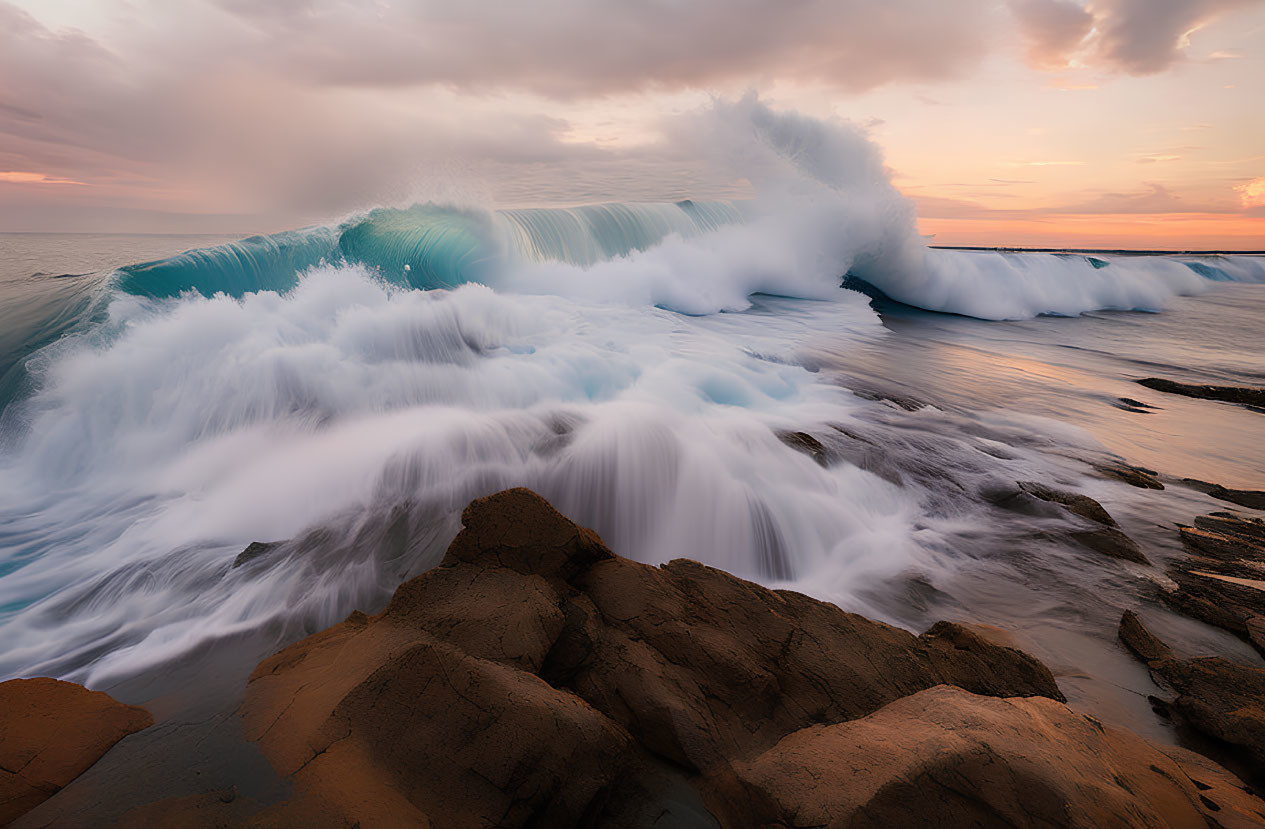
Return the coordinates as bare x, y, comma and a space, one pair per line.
535, 678
806, 443
1111, 542
1107, 539
50, 733
254, 550
1243, 395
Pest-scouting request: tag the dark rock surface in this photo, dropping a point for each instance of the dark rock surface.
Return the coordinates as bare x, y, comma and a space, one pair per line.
1137, 476
254, 550
1081, 505
1108, 539
1216, 697
1243, 395
50, 733
1136, 406
1250, 498
1222, 581
806, 443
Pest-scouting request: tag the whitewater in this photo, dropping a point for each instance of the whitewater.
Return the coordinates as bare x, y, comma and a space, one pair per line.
344, 390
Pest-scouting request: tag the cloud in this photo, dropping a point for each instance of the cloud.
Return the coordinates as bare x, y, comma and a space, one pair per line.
567, 48
322, 106
1252, 193
1143, 37
26, 177
1137, 37
1053, 29
315, 107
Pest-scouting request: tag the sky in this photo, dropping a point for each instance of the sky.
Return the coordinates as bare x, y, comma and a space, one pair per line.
1040, 123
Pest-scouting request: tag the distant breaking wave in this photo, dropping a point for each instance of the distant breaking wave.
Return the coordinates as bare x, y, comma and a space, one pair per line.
427, 246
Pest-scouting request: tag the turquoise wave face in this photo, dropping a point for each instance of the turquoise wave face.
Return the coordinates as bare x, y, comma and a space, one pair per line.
422, 247
427, 246
260, 263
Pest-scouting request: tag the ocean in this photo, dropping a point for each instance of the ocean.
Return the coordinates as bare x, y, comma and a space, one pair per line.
692, 379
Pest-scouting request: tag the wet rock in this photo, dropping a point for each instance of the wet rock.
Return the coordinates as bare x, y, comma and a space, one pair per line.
909, 404
255, 550
948, 758
535, 678
1233, 524
1222, 582
50, 733
1250, 498
1081, 505
1106, 539
1140, 640
1220, 699
1137, 476
1110, 541
1135, 406
806, 443
1243, 395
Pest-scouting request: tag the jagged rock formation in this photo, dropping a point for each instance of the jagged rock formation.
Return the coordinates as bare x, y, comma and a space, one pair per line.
535, 678
1222, 581
50, 733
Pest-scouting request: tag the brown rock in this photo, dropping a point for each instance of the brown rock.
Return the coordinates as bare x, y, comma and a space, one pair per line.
948, 758
1111, 542
1131, 475
1233, 524
1222, 582
1081, 505
536, 677
50, 733
1140, 640
1253, 499
1220, 699
1219, 544
519, 530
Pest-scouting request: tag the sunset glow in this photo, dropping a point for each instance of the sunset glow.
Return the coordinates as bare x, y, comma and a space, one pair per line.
1009, 122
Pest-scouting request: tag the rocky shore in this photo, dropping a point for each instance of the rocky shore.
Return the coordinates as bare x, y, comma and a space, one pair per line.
535, 678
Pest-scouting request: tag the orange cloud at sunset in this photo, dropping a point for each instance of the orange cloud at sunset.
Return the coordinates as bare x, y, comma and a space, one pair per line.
22, 177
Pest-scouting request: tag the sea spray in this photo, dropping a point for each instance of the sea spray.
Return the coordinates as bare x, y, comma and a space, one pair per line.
312, 385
